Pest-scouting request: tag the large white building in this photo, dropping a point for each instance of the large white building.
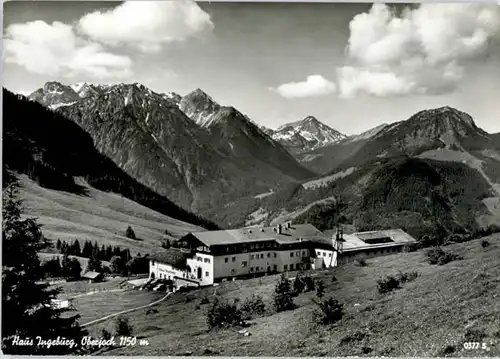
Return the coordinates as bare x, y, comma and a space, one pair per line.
212, 256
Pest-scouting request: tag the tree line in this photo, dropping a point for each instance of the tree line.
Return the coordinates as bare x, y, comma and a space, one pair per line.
92, 250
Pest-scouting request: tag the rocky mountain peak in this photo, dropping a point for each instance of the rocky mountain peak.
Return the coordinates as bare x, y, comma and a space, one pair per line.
199, 106
53, 94
306, 135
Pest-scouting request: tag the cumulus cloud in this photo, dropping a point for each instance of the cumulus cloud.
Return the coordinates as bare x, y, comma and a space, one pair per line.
314, 85
55, 49
147, 25
423, 50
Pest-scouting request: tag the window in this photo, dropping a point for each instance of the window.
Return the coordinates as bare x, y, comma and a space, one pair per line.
207, 260
291, 254
298, 254
261, 255
275, 267
153, 262
226, 260
234, 259
252, 256
285, 267
274, 254
244, 263
199, 259
303, 253
291, 266
251, 269
206, 274
268, 255
232, 270
329, 254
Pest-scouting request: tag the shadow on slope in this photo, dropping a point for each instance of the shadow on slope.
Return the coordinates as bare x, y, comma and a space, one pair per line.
52, 150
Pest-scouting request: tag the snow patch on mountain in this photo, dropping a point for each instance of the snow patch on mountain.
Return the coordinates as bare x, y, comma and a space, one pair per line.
306, 135
56, 106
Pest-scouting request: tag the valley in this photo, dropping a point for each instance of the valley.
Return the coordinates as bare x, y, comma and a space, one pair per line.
249, 178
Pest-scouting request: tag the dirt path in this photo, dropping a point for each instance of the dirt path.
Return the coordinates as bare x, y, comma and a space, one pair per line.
125, 311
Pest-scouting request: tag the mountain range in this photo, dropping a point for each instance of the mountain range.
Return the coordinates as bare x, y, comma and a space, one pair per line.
201, 158
67, 181
436, 169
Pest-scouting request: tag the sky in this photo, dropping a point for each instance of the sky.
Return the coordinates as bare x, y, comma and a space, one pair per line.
352, 66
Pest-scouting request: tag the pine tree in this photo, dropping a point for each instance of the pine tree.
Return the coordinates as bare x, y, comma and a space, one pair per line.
94, 263
125, 254
109, 252
58, 245
87, 249
102, 253
64, 248
76, 248
71, 268
130, 233
117, 251
26, 299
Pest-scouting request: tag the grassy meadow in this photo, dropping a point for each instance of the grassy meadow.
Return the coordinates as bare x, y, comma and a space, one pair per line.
433, 315
97, 216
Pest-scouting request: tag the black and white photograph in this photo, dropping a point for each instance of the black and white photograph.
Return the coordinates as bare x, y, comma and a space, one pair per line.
275, 179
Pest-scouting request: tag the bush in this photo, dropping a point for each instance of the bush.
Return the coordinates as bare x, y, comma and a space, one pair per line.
404, 277
448, 350
474, 335
329, 311
205, 300
118, 265
320, 289
253, 306
485, 243
123, 327
438, 256
105, 334
298, 285
282, 297
362, 262
388, 284
412, 247
223, 315
309, 282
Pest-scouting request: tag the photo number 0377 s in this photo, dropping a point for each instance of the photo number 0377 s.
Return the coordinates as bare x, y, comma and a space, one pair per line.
475, 345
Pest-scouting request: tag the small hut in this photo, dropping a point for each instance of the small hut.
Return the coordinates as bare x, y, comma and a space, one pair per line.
93, 277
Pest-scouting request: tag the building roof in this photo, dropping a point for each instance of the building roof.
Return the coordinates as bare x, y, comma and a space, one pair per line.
357, 241
91, 275
296, 232
172, 256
